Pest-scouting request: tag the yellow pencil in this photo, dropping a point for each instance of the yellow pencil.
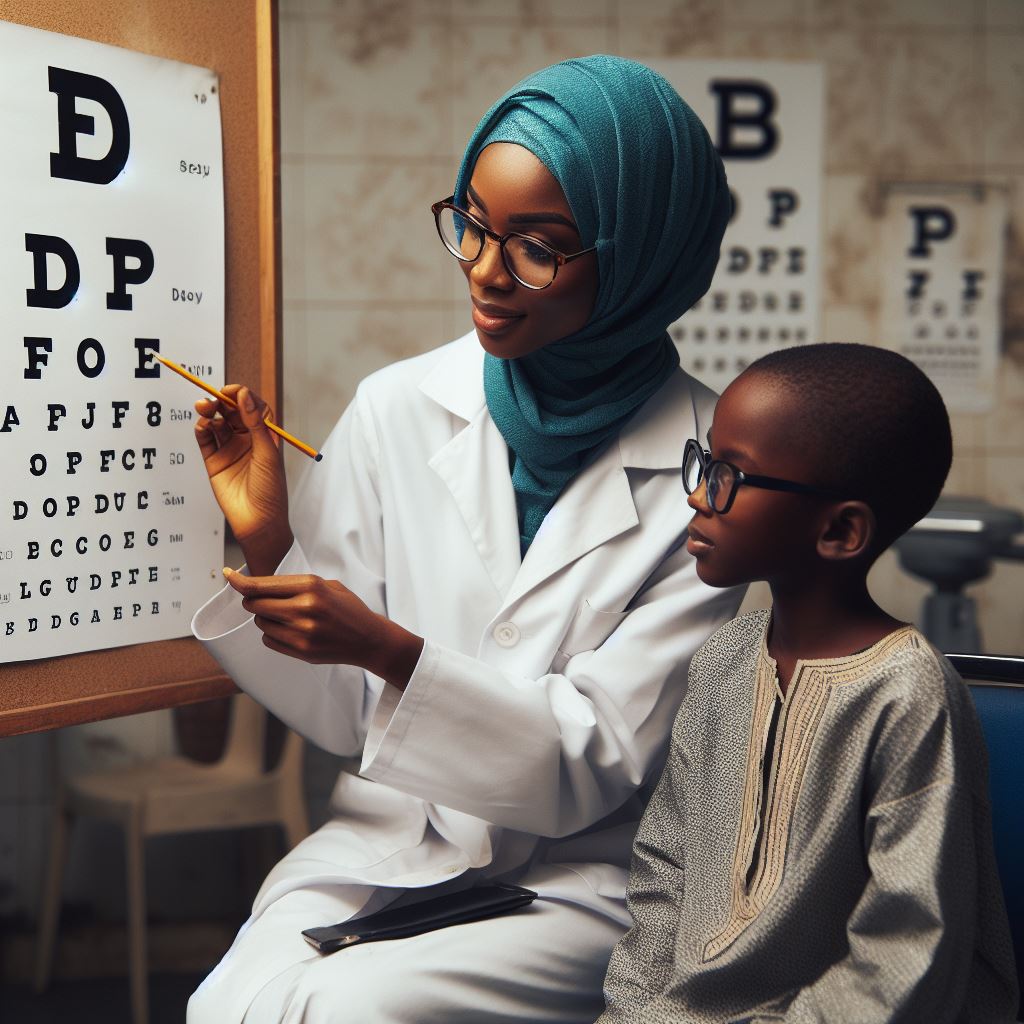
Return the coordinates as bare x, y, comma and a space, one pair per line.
210, 390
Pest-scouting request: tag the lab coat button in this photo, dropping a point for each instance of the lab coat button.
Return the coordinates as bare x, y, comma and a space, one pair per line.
506, 634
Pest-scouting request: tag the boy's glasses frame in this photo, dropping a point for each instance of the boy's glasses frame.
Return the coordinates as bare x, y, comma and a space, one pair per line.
560, 258
724, 476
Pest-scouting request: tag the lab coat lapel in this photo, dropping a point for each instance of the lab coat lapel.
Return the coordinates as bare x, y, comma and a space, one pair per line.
595, 507
598, 504
474, 467
474, 464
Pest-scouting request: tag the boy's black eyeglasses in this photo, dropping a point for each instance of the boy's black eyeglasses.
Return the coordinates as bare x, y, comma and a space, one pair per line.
724, 479
530, 261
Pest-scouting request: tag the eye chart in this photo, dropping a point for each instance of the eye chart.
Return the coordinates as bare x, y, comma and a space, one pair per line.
112, 250
942, 267
766, 119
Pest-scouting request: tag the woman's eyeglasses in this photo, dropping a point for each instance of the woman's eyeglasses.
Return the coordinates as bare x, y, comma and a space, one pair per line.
530, 261
723, 479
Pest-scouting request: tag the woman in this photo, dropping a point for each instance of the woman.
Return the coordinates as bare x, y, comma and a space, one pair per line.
483, 589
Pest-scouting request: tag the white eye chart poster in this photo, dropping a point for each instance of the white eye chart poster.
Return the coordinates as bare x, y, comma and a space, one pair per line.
112, 249
767, 121
942, 268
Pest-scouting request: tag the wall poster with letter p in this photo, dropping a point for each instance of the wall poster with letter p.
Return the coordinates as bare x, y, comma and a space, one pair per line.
112, 250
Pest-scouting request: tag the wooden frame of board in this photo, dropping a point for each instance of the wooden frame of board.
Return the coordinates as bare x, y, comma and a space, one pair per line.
238, 40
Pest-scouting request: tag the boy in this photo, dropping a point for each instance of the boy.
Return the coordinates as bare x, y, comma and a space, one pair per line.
819, 847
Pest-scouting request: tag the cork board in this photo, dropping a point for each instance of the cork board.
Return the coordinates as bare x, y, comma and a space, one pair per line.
237, 39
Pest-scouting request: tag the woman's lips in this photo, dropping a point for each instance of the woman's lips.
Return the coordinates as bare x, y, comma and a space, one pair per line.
494, 319
697, 543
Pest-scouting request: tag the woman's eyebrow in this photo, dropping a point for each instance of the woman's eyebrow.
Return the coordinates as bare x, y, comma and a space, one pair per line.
477, 201
541, 218
545, 217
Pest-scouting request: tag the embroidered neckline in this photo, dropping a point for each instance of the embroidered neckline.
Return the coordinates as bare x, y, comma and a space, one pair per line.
761, 846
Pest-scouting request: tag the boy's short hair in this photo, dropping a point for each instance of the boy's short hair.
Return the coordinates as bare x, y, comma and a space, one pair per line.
872, 425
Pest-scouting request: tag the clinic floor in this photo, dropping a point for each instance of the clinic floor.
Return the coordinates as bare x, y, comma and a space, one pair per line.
97, 1001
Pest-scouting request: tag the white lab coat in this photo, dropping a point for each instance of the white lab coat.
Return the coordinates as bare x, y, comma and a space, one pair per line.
544, 697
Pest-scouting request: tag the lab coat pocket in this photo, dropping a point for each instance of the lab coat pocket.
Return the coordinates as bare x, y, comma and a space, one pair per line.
589, 629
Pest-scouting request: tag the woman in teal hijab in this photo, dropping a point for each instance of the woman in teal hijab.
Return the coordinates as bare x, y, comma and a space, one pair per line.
648, 192
483, 591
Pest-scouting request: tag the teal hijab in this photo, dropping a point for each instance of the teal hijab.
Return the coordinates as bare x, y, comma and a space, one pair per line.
645, 187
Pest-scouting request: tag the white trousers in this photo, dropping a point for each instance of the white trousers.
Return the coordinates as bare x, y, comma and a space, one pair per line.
542, 963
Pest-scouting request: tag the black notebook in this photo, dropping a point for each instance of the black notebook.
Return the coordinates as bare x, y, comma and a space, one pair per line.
428, 915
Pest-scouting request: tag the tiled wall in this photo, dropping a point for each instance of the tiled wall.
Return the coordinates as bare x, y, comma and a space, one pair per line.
379, 98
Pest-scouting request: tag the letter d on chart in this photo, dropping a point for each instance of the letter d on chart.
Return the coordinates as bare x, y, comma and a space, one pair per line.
66, 163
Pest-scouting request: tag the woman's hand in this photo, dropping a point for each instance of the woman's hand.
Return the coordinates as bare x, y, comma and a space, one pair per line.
246, 470
323, 622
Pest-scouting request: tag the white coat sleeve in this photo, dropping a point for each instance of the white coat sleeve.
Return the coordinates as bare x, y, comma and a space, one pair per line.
336, 519
549, 756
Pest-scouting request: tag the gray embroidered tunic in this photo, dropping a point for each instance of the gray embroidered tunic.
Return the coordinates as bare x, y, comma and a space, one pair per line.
826, 856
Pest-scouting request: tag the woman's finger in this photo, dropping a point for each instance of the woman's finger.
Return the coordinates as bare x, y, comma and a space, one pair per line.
229, 412
273, 586
288, 611
290, 652
254, 413
222, 430
206, 438
284, 634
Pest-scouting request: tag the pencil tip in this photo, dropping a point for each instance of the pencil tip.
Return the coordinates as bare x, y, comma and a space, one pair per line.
318, 457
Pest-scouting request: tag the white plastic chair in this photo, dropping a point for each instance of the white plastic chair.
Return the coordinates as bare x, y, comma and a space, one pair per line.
172, 795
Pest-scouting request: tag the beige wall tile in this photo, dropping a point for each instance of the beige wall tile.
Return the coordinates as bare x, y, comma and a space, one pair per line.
1004, 87
852, 242
458, 286
358, 11
856, 72
1000, 608
296, 385
1002, 430
675, 16
369, 232
1003, 13
968, 432
898, 592
1004, 479
293, 235
346, 345
532, 14
461, 321
306, 8
930, 110
291, 64
679, 12
1013, 273
936, 14
376, 87
758, 595
650, 39
967, 474
774, 14
848, 324
490, 59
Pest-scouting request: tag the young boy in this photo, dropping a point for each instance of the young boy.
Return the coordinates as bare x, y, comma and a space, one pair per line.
819, 847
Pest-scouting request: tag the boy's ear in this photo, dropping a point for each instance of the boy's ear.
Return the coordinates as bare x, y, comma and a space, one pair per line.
848, 533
